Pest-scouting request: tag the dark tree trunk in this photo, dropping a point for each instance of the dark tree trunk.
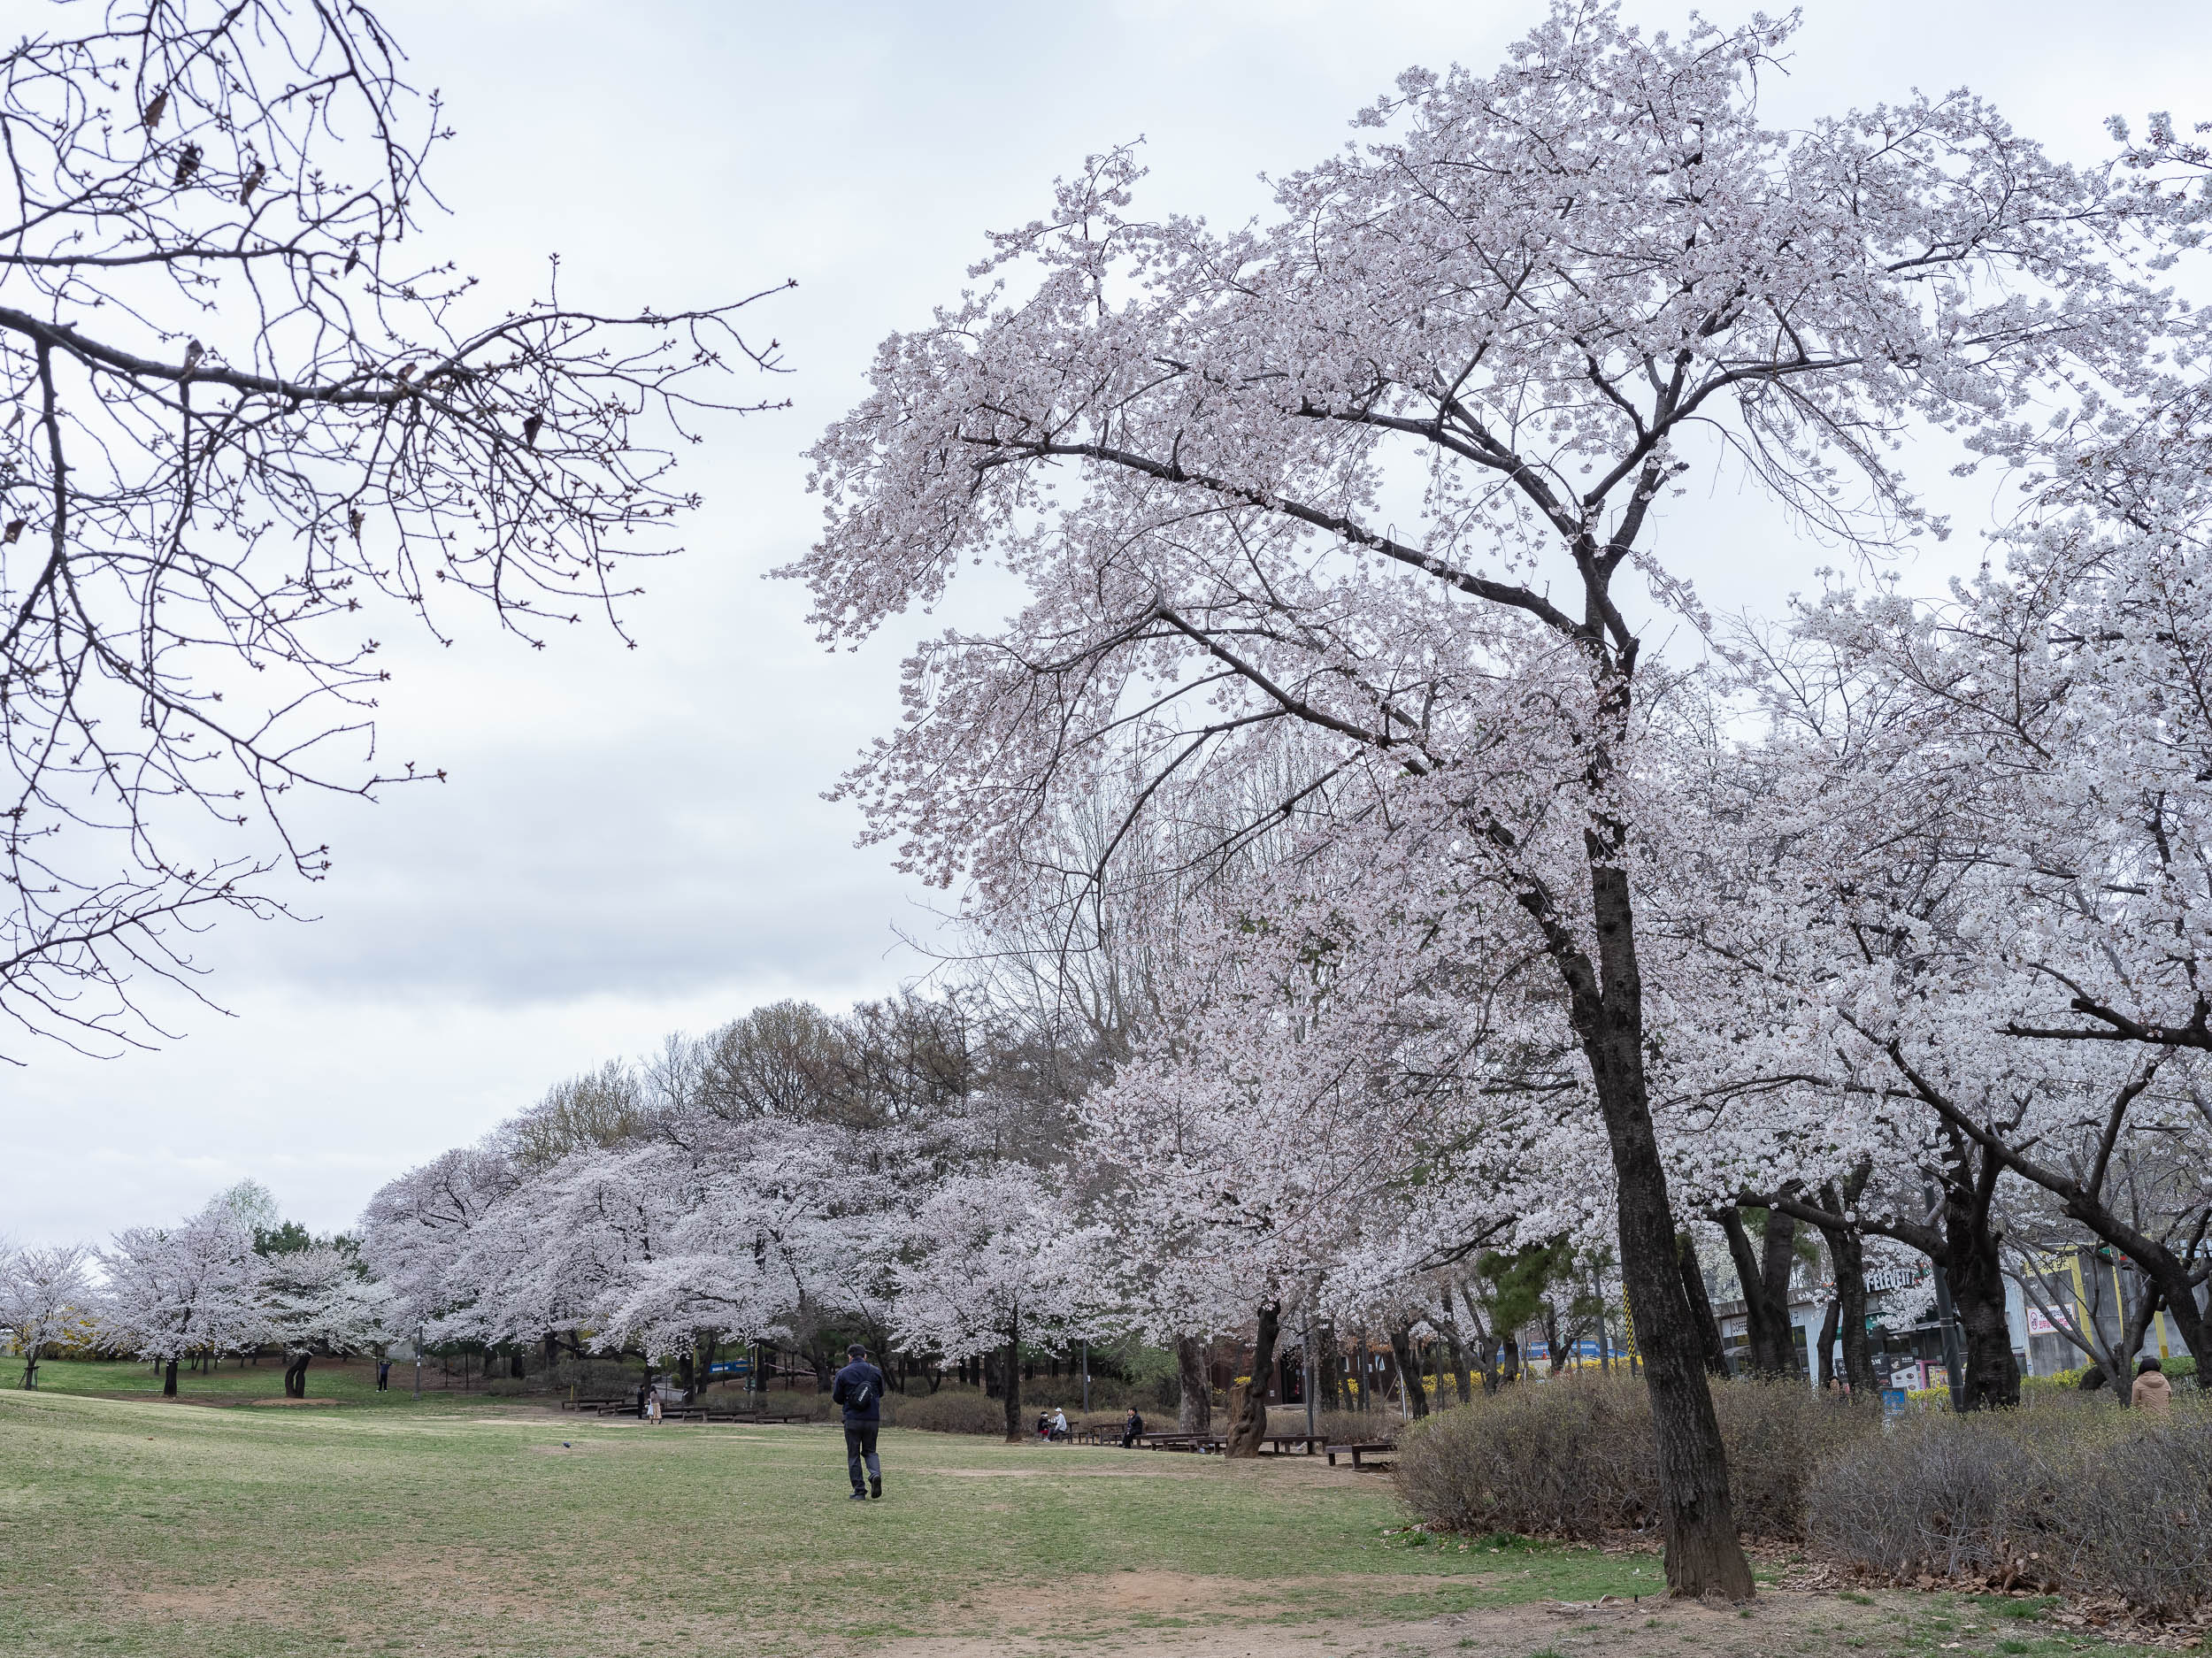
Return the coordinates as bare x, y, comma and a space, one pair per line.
1824, 1359
1768, 1350
1697, 1518
295, 1375
1778, 1258
1977, 1292
30, 1370
1555, 1352
1014, 1434
1195, 1412
169, 1381
1458, 1352
1248, 1405
1847, 1258
1707, 1327
1409, 1372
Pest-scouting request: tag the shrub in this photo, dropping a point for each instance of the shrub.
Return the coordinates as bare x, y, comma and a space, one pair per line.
1574, 1457
506, 1386
2081, 1497
948, 1410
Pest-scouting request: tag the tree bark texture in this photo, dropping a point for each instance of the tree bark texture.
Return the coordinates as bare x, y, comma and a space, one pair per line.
1450, 1328
1014, 1433
1196, 1412
1247, 1406
1409, 1372
1977, 1288
1847, 1259
1697, 1518
169, 1380
1768, 1350
1824, 1349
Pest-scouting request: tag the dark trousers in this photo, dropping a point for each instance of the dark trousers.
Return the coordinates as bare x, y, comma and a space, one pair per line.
860, 1447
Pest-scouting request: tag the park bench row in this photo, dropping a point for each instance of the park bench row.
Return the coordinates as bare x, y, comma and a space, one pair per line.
1279, 1444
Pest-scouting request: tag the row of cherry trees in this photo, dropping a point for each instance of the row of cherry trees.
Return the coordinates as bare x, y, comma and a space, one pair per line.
228, 1279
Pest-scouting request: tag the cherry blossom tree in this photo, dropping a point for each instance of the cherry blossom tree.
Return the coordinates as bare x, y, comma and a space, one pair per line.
1392, 466
317, 1300
191, 1288
994, 1259
47, 1299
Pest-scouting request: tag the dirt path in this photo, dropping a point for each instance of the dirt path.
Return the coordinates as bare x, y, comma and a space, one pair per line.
1160, 1615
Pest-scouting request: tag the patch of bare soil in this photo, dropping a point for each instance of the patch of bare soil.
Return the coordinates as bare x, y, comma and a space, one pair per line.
328, 1404
1200, 1617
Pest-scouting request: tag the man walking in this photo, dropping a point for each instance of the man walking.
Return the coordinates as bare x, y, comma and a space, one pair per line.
859, 1388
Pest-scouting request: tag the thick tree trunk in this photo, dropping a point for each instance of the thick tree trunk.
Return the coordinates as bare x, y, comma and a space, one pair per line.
1450, 1328
1700, 1304
1768, 1350
169, 1381
1847, 1258
1824, 1357
1410, 1371
1697, 1518
1195, 1412
295, 1377
30, 1370
1977, 1288
1248, 1405
1014, 1433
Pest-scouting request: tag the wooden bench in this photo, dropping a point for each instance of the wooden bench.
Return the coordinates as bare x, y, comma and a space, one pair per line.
1375, 1448
580, 1405
1314, 1443
742, 1417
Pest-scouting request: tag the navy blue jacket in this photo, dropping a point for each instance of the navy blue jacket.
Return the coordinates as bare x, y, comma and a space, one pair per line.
859, 1388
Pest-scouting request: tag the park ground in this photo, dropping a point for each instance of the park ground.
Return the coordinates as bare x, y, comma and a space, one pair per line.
463, 1525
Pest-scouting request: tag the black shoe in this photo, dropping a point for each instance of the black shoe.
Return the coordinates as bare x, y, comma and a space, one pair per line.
875, 1486
857, 1496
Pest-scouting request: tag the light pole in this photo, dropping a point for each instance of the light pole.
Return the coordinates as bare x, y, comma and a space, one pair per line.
418, 1361
1086, 1376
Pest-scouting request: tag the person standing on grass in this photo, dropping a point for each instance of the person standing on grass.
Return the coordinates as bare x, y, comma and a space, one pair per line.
859, 1389
383, 1375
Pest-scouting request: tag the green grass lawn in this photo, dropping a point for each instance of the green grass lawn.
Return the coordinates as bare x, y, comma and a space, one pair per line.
463, 1525
236, 1383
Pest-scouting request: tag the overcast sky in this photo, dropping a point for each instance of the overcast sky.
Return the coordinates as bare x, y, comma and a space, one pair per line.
635, 843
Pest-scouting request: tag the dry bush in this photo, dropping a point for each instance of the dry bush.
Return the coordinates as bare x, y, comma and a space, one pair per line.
2075, 1495
1574, 1457
948, 1410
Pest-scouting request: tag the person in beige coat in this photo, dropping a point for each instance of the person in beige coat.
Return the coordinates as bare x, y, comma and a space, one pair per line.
2153, 1391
